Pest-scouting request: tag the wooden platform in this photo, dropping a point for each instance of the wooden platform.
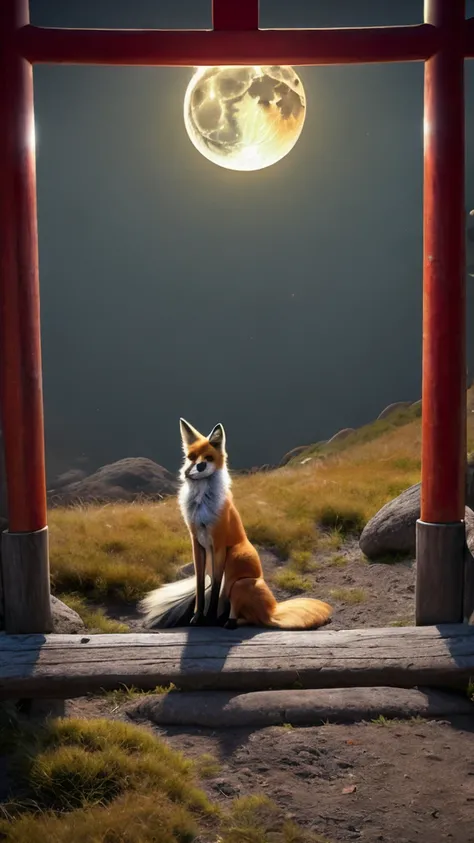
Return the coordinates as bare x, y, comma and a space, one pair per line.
61, 666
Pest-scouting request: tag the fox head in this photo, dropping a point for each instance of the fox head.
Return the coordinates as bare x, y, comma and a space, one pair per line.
204, 455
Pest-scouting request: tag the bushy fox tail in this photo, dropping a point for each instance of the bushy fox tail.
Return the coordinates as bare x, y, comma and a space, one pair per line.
171, 604
300, 613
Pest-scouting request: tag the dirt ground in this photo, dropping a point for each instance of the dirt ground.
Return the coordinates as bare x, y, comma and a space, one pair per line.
398, 781
391, 781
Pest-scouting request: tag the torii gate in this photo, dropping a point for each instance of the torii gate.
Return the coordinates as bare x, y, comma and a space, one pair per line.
442, 42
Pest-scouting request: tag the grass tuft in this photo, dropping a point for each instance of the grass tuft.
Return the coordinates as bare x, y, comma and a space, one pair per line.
207, 766
95, 618
351, 596
256, 819
346, 521
291, 581
126, 693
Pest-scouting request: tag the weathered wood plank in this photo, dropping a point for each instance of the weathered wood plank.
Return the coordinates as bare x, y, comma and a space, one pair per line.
25, 573
247, 659
224, 710
439, 572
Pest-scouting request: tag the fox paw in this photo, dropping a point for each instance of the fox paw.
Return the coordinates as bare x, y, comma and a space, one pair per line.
231, 624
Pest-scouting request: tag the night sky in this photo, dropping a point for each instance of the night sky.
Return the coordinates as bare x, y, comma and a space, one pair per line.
285, 303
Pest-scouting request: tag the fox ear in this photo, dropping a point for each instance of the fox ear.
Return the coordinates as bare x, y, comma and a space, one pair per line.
189, 434
217, 437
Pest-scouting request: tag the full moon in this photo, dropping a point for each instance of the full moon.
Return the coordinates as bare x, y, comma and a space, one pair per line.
244, 118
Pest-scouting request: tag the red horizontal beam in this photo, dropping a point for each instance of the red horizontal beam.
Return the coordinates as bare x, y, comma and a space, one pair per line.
228, 14
183, 48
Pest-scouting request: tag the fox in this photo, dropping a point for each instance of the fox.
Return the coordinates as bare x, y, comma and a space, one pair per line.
228, 587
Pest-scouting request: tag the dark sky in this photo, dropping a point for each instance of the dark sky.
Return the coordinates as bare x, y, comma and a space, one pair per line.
285, 303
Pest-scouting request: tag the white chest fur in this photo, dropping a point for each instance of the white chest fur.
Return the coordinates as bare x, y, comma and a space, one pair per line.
201, 502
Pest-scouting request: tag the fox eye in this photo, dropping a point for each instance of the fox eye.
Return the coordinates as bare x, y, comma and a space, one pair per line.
191, 457
210, 459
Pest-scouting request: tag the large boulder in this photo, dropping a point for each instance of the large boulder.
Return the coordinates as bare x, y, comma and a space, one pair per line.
125, 480
393, 529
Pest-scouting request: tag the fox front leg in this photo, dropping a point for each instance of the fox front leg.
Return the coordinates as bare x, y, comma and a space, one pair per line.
199, 557
217, 568
232, 622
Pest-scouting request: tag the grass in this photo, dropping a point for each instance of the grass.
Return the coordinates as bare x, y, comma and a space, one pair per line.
364, 434
381, 720
351, 596
402, 622
95, 618
291, 581
100, 781
126, 693
256, 819
301, 560
207, 766
337, 561
118, 551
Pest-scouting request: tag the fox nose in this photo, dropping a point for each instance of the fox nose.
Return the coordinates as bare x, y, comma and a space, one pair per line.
201, 466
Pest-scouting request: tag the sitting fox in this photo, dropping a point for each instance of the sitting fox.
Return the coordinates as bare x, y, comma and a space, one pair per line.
227, 566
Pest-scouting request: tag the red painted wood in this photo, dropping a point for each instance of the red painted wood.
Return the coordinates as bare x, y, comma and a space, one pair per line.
192, 48
20, 353
235, 14
444, 306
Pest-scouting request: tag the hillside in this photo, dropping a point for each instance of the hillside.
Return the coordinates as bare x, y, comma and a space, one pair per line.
301, 515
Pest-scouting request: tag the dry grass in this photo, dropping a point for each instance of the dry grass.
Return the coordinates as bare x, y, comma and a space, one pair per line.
351, 596
127, 693
122, 551
95, 618
100, 781
256, 819
118, 551
291, 581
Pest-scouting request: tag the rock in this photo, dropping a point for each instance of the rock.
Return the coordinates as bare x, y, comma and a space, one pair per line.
293, 453
74, 475
392, 408
66, 620
341, 434
470, 483
468, 609
260, 709
392, 529
125, 480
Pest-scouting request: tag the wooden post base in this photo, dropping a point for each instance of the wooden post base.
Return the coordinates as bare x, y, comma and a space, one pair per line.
25, 572
440, 552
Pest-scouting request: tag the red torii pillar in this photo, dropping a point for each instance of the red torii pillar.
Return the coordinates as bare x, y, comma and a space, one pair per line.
441, 42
